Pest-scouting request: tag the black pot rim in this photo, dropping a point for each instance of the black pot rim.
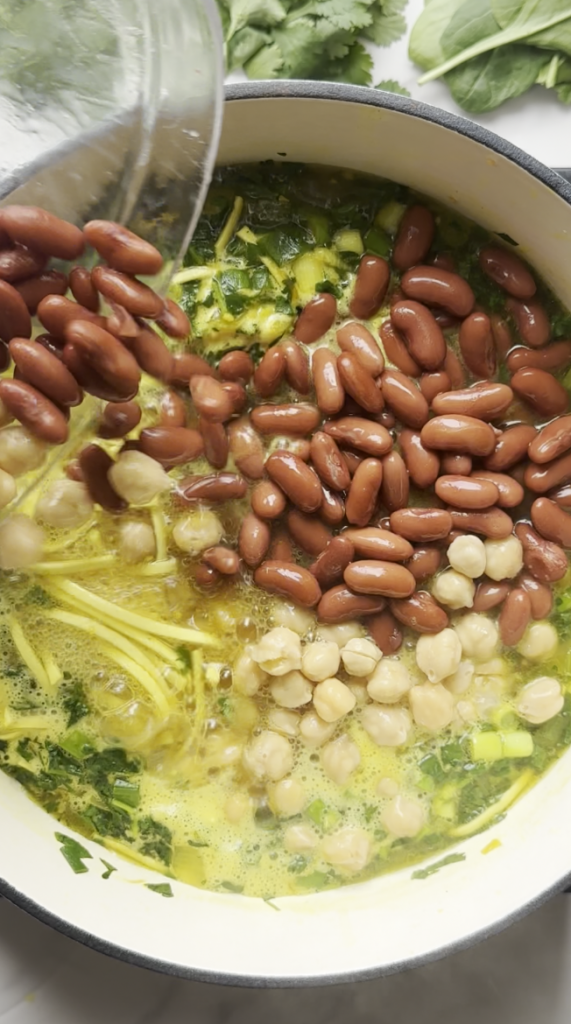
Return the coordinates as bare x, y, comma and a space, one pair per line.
374, 98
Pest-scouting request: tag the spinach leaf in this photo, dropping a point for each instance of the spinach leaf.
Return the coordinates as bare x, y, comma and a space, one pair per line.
489, 80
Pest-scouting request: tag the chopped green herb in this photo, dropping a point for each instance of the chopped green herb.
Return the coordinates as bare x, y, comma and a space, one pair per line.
451, 858
163, 888
109, 869
232, 887
157, 839
75, 703
73, 852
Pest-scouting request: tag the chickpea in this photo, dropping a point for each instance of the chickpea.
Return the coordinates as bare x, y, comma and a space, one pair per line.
332, 700
65, 504
287, 798
540, 700
468, 555
494, 667
284, 721
478, 635
461, 679
278, 652
19, 451
320, 660
342, 633
454, 589
432, 706
439, 655
268, 757
137, 478
300, 838
314, 731
359, 690
387, 726
390, 681
339, 759
290, 615
247, 676
349, 850
387, 787
21, 542
504, 558
136, 542
466, 712
237, 806
197, 531
403, 817
360, 656
539, 641
292, 690
7, 488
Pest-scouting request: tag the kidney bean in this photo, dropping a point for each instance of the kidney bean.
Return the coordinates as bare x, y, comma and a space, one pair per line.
456, 465
122, 324
223, 559
423, 336
55, 312
485, 400
358, 340
173, 320
453, 367
289, 581
387, 419
444, 260
246, 448
510, 491
172, 410
531, 321
489, 595
151, 354
405, 400
210, 399
395, 483
171, 446
308, 532
73, 471
363, 492
375, 577
332, 562
421, 613
34, 289
421, 525
136, 297
396, 350
213, 487
216, 444
5, 357
329, 392
31, 226
83, 289
34, 411
552, 441
316, 318
432, 384
95, 464
466, 492
253, 539
329, 462
358, 383
545, 560
371, 283
511, 447
422, 464
437, 287
102, 351
414, 237
236, 393
14, 316
458, 433
296, 367
93, 382
119, 419
507, 270
332, 509
385, 632
562, 495
185, 365
299, 446
514, 616
556, 356
285, 419
122, 249
372, 542
491, 522
477, 345
236, 366
551, 521
19, 263
541, 391
268, 501
206, 577
281, 547
359, 433
45, 372
502, 335
353, 460
424, 562
341, 605
445, 320
540, 596
297, 480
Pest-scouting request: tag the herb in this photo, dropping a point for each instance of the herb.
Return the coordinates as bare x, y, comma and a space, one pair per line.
195, 842
109, 869
297, 864
157, 839
163, 888
126, 792
73, 852
75, 703
390, 85
225, 705
308, 38
489, 51
452, 858
37, 595
232, 887
268, 900
108, 821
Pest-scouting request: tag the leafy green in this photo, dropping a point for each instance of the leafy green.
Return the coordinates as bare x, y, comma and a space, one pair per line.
157, 839
73, 852
391, 85
163, 888
109, 869
451, 858
75, 703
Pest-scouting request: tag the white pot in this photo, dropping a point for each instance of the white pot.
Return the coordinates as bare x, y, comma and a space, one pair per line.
395, 921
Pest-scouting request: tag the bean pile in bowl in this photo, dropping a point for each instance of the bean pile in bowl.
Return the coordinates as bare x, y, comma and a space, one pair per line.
284, 583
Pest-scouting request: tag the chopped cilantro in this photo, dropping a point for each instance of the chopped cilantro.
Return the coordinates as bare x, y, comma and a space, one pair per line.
157, 839
75, 703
